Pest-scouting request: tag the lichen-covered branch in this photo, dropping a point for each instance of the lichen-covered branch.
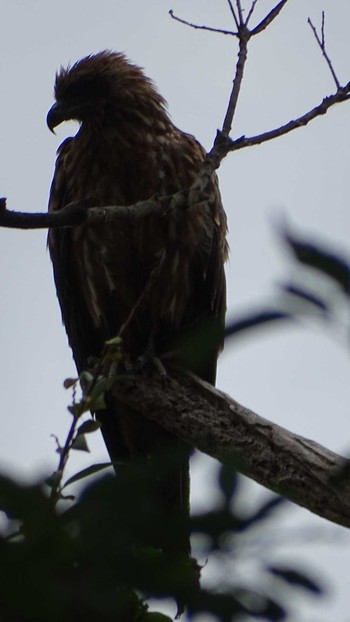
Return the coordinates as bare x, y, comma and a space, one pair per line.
295, 467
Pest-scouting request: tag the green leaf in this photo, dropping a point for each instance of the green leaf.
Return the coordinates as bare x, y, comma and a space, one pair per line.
97, 404
318, 257
99, 388
94, 468
86, 379
115, 341
73, 410
54, 479
266, 509
88, 427
80, 443
296, 578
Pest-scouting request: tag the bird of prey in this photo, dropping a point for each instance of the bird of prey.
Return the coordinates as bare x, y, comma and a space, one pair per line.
127, 150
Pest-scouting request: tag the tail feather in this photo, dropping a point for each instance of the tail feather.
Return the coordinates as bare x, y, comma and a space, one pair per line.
130, 438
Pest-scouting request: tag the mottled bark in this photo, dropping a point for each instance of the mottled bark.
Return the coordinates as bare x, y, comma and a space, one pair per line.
295, 467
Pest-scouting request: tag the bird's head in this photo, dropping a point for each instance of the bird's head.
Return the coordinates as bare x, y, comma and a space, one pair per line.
104, 88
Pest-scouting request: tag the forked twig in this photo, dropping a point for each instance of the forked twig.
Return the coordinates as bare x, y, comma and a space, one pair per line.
77, 214
244, 34
322, 45
223, 144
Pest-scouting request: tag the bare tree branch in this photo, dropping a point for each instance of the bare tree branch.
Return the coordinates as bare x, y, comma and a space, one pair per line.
295, 467
224, 145
76, 214
233, 13
198, 27
236, 87
250, 12
269, 18
322, 44
240, 12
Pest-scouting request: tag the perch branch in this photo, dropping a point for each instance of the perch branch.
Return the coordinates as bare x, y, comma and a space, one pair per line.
295, 467
76, 213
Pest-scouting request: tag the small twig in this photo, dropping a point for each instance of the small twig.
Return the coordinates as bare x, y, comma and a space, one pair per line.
240, 12
322, 45
199, 27
233, 12
55, 494
251, 11
323, 23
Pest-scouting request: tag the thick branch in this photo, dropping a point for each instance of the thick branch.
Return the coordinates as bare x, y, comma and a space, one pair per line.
288, 464
75, 214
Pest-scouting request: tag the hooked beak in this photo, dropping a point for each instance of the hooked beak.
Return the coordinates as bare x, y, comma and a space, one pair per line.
55, 116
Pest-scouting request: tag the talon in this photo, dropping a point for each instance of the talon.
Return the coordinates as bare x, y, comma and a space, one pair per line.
150, 358
159, 367
141, 362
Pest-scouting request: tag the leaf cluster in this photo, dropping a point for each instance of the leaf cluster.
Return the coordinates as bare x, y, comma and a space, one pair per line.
99, 560
319, 287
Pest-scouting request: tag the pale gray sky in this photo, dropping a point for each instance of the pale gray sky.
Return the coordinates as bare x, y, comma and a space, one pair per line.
296, 377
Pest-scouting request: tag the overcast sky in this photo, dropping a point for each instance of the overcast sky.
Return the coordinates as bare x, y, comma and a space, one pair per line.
297, 377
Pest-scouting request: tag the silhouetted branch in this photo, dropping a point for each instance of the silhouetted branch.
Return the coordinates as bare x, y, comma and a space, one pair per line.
199, 27
236, 87
223, 144
243, 34
254, 320
75, 214
233, 13
251, 11
269, 18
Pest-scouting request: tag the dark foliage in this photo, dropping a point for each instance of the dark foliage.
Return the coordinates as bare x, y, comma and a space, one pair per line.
332, 266
94, 561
